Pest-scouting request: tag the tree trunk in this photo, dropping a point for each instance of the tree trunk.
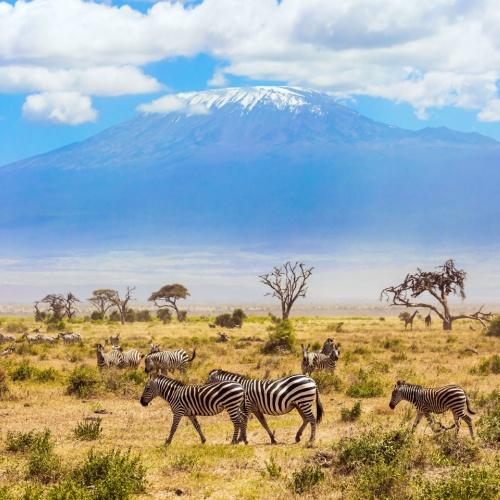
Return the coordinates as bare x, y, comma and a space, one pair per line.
447, 324
284, 312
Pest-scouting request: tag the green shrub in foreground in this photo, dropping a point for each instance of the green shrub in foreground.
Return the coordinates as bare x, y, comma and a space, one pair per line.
326, 381
88, 430
281, 338
306, 478
489, 424
366, 386
111, 476
471, 483
43, 464
351, 415
19, 441
83, 382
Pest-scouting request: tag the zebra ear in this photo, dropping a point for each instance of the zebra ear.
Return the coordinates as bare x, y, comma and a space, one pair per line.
399, 382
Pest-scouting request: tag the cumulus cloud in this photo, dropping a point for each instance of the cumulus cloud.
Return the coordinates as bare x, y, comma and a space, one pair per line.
219, 79
430, 53
172, 104
69, 108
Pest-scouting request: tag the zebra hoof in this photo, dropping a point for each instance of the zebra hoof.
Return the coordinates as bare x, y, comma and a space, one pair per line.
297, 439
273, 441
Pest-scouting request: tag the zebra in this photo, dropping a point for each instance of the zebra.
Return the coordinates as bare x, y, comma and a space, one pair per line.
435, 400
131, 358
278, 397
6, 338
202, 400
47, 339
32, 338
113, 340
8, 351
70, 338
312, 361
168, 360
108, 359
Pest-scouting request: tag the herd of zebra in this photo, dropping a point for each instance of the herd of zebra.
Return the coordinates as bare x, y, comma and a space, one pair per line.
241, 396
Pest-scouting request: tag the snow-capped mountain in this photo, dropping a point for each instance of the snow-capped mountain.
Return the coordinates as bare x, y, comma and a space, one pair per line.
258, 164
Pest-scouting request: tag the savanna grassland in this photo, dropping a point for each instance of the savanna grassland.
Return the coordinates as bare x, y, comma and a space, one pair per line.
362, 450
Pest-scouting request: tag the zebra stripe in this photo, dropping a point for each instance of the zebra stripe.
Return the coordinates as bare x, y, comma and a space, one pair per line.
203, 400
312, 361
278, 397
165, 361
108, 359
434, 400
131, 358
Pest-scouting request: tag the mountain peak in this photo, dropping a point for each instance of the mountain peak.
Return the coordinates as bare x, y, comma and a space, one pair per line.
248, 98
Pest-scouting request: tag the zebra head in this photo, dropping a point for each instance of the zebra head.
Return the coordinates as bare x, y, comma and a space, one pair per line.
397, 394
214, 376
149, 364
151, 390
154, 348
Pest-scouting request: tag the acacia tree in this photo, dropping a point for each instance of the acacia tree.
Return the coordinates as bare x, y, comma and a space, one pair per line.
121, 303
57, 306
437, 285
287, 282
168, 295
101, 300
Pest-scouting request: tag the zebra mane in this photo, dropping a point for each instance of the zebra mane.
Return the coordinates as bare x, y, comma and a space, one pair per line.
175, 382
224, 372
411, 386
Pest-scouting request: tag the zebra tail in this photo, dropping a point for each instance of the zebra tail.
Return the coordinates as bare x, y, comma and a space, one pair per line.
319, 408
468, 405
193, 356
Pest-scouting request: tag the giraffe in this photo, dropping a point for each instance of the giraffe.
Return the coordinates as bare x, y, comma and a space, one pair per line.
428, 320
409, 320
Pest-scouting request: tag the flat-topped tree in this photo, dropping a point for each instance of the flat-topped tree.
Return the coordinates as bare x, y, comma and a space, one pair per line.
287, 282
437, 285
168, 295
101, 300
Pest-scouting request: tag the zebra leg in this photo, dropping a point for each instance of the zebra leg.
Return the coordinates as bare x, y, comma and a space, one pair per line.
307, 418
468, 421
418, 418
197, 426
234, 415
175, 423
263, 422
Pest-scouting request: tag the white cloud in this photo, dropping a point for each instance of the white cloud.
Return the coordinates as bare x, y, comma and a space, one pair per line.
429, 53
219, 79
491, 113
172, 104
69, 108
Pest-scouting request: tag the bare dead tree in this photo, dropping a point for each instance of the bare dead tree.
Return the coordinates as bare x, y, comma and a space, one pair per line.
39, 315
101, 300
287, 282
121, 303
70, 302
438, 285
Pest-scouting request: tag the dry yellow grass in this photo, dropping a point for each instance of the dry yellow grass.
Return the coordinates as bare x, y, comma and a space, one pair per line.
217, 469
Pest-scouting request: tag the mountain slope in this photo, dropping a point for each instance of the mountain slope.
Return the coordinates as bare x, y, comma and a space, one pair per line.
260, 165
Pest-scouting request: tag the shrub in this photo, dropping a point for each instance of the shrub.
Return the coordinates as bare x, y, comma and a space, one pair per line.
326, 381
164, 315
112, 475
43, 464
88, 430
351, 415
233, 320
23, 371
306, 478
20, 441
365, 386
83, 382
46, 375
143, 315
487, 366
476, 482
381, 480
489, 423
185, 462
281, 338
238, 317
371, 447
4, 387
96, 316
16, 327
457, 451
273, 470
493, 329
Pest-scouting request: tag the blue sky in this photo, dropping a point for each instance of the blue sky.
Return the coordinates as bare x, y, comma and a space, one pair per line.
412, 66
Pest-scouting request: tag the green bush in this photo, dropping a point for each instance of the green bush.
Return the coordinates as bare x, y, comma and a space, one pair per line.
365, 386
493, 329
46, 375
112, 475
20, 441
489, 423
351, 415
306, 478
488, 366
43, 464
23, 371
371, 447
476, 482
273, 469
83, 382
164, 315
380, 480
88, 430
4, 386
456, 451
326, 381
281, 338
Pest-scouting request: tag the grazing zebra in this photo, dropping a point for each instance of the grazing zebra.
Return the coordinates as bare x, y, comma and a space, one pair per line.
8, 351
278, 397
6, 338
70, 338
312, 361
114, 340
159, 361
32, 338
131, 358
202, 400
47, 339
108, 359
437, 400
